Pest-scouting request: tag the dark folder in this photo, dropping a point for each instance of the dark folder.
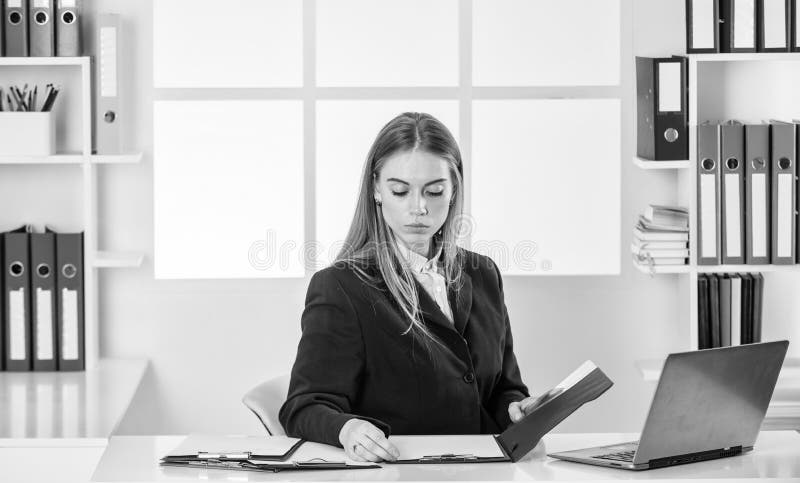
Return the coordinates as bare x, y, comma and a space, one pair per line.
714, 306
43, 306
69, 283
662, 113
795, 27
702, 26
16, 292
732, 195
520, 438
784, 170
758, 198
738, 20
758, 306
703, 317
42, 29
747, 308
708, 195
16, 28
774, 20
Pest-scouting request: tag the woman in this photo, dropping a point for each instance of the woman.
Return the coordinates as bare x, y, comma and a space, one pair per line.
406, 333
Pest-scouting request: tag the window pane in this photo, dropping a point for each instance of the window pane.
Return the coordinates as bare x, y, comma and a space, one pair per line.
228, 181
546, 42
236, 43
345, 132
546, 185
387, 43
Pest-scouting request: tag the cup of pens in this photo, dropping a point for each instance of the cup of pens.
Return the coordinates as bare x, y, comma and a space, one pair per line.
27, 124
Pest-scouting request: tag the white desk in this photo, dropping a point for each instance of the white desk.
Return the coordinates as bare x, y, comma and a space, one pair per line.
777, 457
54, 426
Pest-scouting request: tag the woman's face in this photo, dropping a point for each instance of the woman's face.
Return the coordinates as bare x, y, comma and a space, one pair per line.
415, 189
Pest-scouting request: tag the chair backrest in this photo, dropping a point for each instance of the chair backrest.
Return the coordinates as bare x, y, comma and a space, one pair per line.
266, 399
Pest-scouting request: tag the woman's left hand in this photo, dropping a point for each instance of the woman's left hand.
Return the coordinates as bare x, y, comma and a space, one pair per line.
519, 409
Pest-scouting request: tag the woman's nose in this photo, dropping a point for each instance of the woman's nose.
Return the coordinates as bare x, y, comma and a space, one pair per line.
419, 207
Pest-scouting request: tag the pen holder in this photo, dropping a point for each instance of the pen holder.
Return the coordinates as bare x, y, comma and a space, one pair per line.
27, 133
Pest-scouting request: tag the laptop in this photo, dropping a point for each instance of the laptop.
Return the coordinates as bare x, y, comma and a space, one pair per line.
708, 404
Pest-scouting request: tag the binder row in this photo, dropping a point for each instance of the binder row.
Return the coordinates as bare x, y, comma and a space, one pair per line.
40, 28
42, 303
747, 193
729, 309
714, 26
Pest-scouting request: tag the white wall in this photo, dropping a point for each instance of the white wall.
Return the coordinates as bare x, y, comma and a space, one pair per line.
209, 341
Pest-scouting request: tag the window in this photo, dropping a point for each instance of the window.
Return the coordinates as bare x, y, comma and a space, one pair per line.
256, 172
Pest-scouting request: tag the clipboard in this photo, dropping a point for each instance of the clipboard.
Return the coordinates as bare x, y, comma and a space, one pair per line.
585, 384
265, 454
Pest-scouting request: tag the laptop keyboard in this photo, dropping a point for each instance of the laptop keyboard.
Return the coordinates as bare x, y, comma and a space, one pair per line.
624, 456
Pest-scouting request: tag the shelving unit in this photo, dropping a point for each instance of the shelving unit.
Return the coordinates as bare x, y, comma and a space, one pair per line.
725, 86
687, 183
94, 258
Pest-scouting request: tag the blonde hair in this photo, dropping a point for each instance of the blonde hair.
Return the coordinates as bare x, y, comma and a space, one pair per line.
371, 242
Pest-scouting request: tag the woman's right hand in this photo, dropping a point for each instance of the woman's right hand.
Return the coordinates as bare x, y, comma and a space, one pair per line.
363, 441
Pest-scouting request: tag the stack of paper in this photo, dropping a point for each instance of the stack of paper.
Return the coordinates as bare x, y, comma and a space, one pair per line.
661, 236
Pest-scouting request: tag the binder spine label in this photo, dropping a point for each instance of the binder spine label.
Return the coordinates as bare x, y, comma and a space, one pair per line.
69, 337
44, 327
14, 4
733, 223
744, 24
785, 214
708, 215
758, 213
108, 62
669, 87
774, 24
16, 335
702, 18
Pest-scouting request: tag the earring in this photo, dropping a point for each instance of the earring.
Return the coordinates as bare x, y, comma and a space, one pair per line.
378, 202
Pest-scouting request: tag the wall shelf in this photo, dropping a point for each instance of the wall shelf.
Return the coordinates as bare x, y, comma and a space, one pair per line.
109, 259
44, 61
133, 158
662, 269
650, 164
752, 57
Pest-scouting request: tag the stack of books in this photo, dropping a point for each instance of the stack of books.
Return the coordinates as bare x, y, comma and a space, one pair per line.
661, 236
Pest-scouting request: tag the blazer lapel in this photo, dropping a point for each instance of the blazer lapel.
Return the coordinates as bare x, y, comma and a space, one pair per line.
461, 303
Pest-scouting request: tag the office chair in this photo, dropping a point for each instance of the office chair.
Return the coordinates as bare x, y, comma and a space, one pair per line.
265, 401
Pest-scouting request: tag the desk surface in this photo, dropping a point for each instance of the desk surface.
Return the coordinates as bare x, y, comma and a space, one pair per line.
777, 456
44, 408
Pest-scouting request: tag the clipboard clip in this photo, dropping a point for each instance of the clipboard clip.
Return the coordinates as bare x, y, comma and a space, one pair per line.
224, 456
447, 457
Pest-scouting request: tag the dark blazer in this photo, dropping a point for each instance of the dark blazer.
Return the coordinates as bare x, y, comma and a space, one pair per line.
353, 361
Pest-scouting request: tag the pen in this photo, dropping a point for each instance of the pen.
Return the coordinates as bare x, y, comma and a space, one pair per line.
1, 98
33, 101
49, 102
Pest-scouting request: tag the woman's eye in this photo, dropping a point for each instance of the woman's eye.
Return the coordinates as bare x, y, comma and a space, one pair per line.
436, 193
400, 193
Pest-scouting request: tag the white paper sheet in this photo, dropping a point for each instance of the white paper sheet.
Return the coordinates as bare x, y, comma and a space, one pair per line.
416, 447
273, 445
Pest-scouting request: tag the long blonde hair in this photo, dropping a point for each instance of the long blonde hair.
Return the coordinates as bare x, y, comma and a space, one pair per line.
370, 242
